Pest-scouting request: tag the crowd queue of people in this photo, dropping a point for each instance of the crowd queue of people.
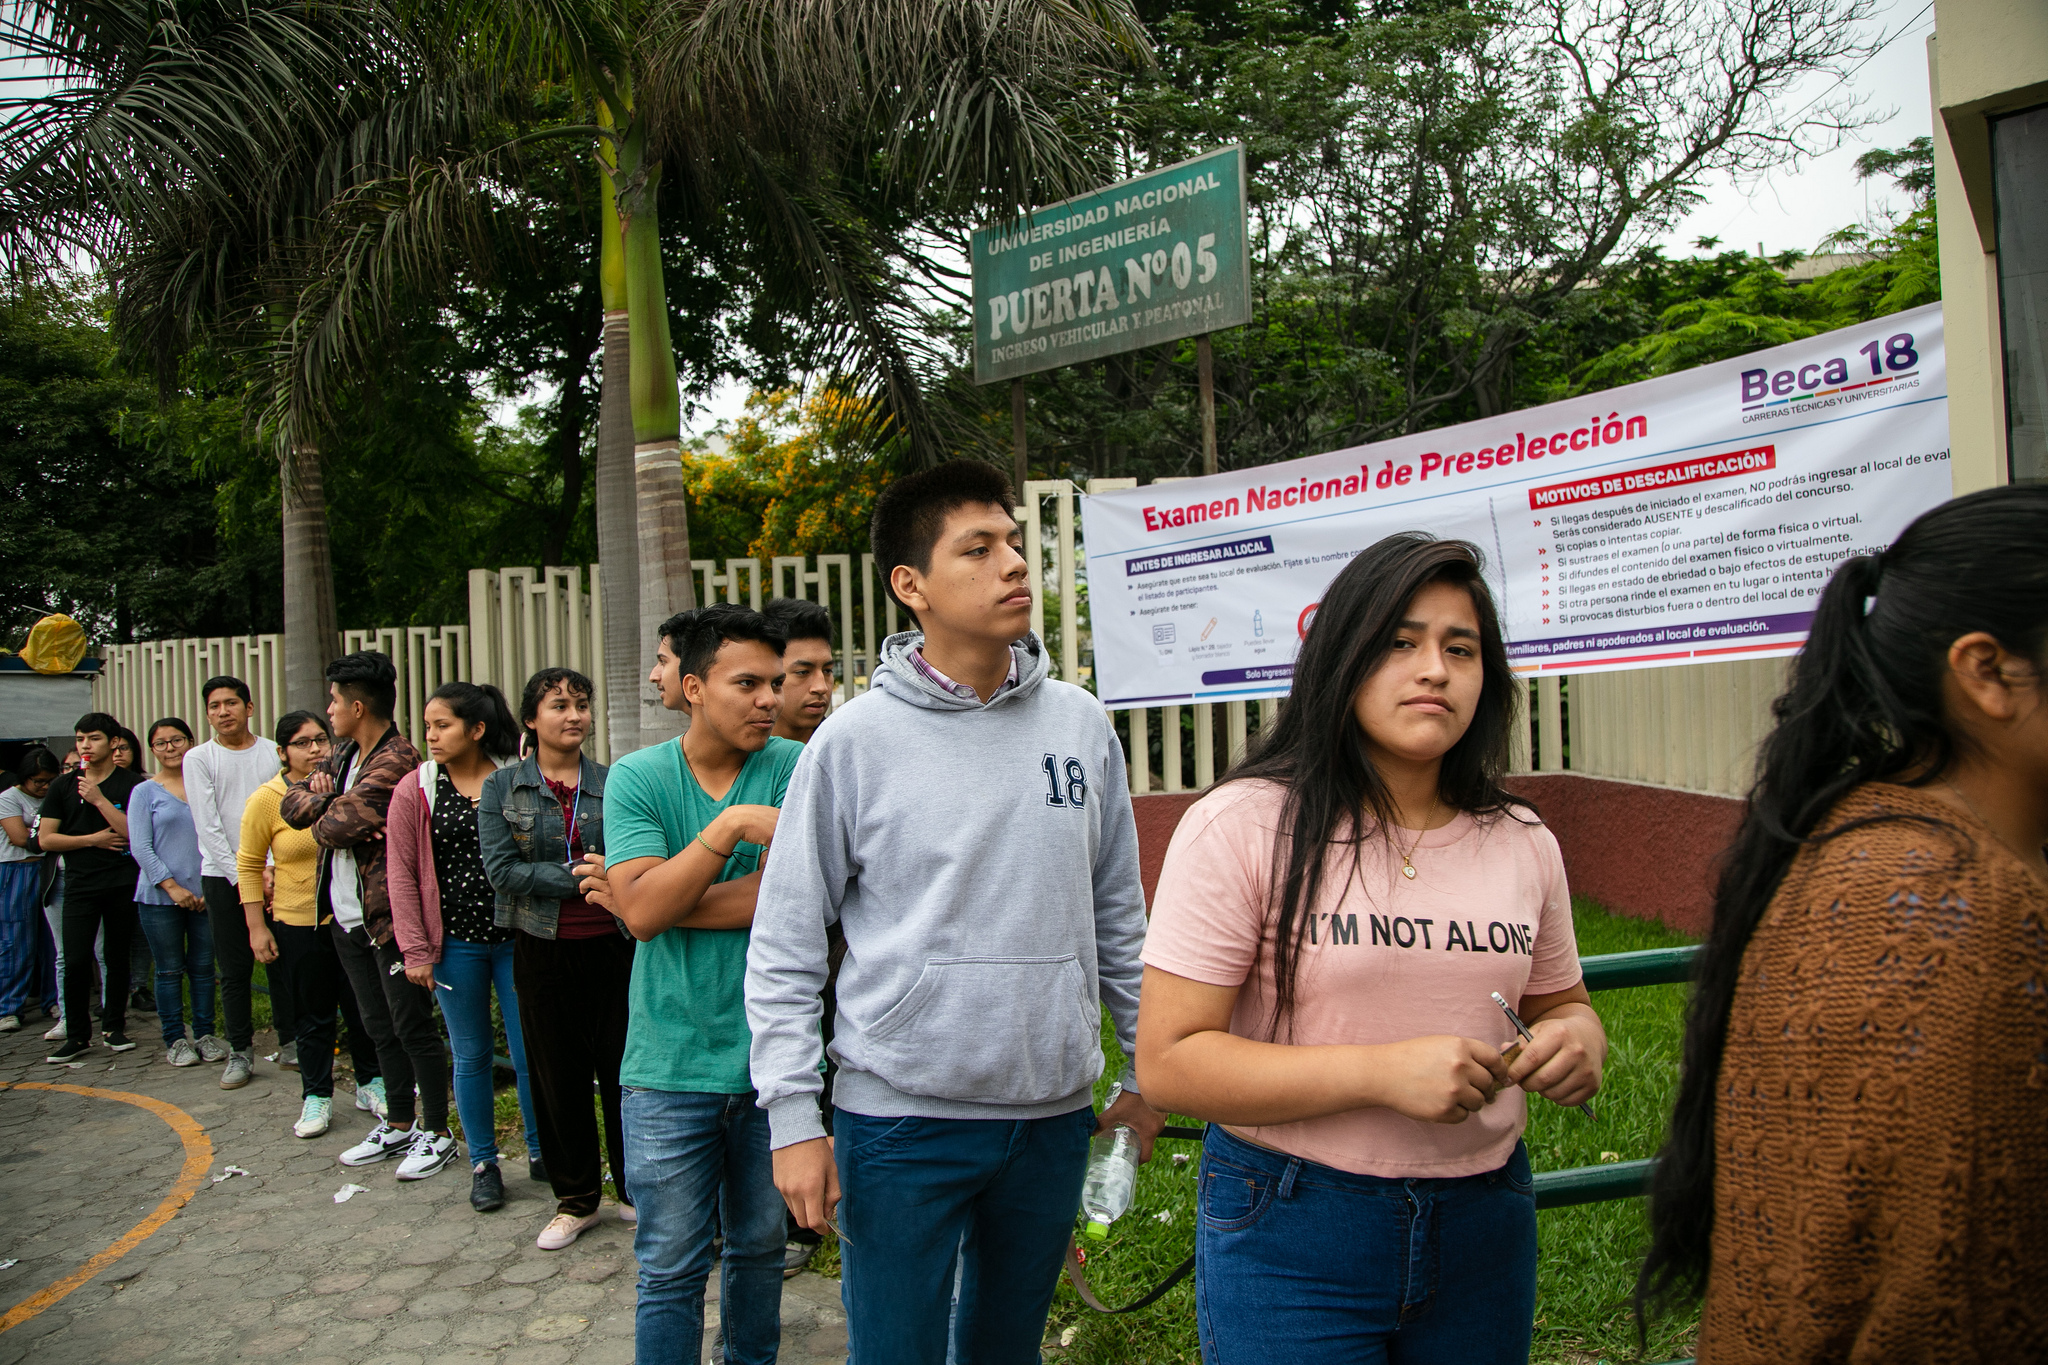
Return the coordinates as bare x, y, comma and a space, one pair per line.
883, 1017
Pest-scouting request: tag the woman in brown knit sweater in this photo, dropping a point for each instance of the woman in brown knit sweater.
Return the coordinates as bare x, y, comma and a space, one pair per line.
1857, 1169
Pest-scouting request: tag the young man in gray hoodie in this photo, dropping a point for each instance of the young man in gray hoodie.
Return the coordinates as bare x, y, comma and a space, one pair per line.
967, 824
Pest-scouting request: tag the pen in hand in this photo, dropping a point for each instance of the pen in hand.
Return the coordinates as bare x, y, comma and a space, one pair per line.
1528, 1037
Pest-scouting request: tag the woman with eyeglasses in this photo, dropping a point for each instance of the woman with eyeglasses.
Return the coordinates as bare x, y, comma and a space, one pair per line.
287, 937
165, 843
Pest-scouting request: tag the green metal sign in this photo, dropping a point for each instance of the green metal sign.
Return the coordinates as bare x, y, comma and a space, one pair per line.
1149, 260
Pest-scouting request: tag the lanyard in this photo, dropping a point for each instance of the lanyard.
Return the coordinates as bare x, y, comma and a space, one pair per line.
569, 830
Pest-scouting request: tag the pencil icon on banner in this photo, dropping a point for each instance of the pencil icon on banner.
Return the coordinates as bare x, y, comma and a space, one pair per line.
1206, 629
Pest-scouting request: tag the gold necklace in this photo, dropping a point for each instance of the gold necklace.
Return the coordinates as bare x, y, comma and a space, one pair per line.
1408, 868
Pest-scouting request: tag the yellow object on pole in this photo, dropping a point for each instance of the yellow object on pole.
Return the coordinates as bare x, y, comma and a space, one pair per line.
55, 645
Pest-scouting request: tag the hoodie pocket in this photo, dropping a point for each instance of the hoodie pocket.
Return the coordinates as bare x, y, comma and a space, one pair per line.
998, 1030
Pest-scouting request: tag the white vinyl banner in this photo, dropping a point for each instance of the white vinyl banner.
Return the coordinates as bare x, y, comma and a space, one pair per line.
1681, 520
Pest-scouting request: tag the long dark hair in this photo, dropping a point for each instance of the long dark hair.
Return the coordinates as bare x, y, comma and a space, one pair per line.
1864, 705
1316, 750
482, 704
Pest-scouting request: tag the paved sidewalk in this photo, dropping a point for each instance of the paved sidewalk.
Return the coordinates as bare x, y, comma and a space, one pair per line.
267, 1266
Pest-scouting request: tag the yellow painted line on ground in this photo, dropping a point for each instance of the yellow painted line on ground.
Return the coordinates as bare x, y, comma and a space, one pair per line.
198, 1160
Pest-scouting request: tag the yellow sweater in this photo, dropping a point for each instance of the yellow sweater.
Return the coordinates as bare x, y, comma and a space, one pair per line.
296, 856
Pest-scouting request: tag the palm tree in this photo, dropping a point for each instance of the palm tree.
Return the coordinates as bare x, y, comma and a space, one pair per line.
190, 150
812, 129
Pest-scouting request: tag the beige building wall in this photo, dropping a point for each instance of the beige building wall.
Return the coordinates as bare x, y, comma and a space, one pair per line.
1986, 58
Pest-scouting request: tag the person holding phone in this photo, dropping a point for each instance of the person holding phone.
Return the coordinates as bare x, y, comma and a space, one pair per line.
85, 819
1330, 927
442, 909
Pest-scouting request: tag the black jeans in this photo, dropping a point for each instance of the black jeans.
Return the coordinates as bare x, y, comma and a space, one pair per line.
306, 960
572, 1009
400, 1019
235, 963
86, 913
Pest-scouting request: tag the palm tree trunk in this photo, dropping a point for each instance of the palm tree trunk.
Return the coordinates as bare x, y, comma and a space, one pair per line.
663, 521
618, 536
312, 636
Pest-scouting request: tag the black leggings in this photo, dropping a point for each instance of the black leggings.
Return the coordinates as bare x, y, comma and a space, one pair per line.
306, 960
86, 913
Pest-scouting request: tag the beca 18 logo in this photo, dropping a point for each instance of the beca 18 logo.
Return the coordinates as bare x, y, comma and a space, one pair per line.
1890, 359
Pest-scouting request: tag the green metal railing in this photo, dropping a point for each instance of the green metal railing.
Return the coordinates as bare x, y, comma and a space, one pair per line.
1616, 1179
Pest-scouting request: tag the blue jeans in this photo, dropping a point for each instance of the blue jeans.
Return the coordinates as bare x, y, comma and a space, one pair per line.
181, 942
690, 1155
1299, 1263
470, 970
990, 1200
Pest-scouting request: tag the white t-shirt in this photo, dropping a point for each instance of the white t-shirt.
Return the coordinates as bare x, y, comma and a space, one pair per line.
219, 782
19, 804
345, 888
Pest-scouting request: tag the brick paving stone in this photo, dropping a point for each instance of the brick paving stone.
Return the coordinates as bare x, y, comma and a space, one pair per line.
340, 1282
367, 1306
417, 1335
529, 1271
611, 1352
538, 1353
483, 1333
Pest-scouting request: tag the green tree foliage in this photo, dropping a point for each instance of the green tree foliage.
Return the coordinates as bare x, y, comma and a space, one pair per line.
102, 515
1712, 309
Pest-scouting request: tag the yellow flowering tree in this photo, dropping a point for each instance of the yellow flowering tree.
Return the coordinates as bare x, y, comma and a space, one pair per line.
797, 475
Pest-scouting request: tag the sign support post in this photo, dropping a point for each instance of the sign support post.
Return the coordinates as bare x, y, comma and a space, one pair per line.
1017, 433
1205, 370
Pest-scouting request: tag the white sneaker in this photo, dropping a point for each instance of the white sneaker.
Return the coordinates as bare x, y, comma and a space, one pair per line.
383, 1141
10, 1023
56, 1031
314, 1116
563, 1229
212, 1049
370, 1096
182, 1053
430, 1151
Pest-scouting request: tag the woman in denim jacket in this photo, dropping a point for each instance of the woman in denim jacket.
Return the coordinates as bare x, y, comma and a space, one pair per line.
570, 959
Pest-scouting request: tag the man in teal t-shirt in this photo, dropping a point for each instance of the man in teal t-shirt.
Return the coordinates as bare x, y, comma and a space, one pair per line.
687, 825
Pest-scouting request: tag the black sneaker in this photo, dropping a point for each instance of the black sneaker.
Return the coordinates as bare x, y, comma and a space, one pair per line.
486, 1188
69, 1052
117, 1041
537, 1170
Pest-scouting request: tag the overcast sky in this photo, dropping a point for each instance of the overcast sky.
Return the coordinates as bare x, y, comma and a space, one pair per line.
1796, 208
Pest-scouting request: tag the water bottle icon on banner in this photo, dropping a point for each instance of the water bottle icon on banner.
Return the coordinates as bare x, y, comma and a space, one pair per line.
1258, 623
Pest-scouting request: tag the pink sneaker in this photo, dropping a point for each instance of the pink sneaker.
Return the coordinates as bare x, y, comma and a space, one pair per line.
564, 1229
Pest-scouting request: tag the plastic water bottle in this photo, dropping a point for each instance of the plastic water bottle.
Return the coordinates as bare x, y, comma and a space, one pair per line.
1112, 1172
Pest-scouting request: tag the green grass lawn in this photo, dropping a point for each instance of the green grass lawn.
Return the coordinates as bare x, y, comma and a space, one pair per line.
1588, 1254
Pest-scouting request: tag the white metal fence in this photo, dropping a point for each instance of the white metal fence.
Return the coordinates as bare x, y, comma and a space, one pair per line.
1693, 727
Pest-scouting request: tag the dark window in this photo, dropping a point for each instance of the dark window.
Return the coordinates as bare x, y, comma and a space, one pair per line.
2019, 162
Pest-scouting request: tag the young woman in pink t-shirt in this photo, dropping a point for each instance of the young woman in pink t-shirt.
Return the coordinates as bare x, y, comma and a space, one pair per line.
1328, 931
